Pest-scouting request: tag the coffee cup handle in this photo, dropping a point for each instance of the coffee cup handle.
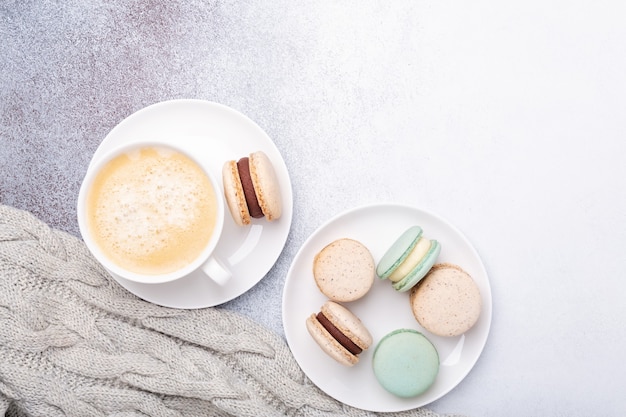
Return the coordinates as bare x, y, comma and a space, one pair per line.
216, 270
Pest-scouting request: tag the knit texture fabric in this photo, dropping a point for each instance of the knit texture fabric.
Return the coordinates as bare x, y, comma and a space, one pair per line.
75, 343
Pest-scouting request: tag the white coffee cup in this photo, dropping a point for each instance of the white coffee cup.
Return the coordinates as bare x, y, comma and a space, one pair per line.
150, 213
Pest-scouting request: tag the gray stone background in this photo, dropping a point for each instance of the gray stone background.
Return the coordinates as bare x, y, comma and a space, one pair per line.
507, 119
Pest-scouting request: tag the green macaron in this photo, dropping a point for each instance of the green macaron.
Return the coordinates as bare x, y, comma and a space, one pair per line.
408, 259
405, 363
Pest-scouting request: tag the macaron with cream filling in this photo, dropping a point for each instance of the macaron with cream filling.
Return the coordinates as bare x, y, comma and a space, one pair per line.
409, 259
339, 333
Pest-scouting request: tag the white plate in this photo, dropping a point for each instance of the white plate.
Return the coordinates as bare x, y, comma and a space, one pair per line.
213, 133
382, 309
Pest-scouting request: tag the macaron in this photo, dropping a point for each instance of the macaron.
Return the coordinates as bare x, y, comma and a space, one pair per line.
409, 259
447, 301
251, 189
344, 270
339, 333
405, 363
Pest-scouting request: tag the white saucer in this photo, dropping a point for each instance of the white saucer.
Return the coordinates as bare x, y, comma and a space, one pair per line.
213, 133
382, 309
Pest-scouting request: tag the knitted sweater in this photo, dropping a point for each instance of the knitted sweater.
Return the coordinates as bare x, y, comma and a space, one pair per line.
75, 343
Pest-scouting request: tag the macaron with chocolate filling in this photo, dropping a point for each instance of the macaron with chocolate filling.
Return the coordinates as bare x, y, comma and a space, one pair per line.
339, 333
251, 189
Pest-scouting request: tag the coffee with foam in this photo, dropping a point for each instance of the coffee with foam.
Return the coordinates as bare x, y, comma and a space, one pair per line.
152, 210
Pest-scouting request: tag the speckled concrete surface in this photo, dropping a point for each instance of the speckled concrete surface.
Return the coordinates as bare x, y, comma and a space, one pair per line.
508, 120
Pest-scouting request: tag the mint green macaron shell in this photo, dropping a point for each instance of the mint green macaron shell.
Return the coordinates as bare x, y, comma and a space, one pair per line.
420, 270
398, 252
405, 363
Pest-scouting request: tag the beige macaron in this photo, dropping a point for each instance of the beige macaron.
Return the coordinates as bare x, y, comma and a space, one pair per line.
447, 301
344, 270
339, 333
251, 189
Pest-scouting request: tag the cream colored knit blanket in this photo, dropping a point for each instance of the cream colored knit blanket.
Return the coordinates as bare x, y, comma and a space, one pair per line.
75, 343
